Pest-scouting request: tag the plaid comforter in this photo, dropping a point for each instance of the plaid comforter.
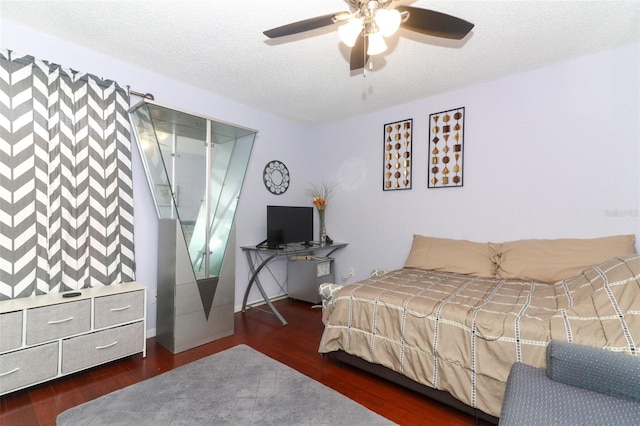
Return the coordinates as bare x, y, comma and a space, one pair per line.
461, 333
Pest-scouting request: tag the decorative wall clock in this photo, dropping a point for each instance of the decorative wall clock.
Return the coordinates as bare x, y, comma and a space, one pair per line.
276, 177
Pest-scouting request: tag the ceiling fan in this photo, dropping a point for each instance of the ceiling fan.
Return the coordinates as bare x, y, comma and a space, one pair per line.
364, 29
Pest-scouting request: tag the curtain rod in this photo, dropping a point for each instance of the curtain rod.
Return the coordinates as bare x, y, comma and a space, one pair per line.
142, 95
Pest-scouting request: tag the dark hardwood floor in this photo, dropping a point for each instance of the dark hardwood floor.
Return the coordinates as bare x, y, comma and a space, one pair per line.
295, 345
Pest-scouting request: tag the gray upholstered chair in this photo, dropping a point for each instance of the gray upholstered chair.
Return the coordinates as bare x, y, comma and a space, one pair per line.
583, 385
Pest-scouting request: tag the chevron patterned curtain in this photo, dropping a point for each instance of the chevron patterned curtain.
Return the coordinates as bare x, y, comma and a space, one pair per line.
66, 206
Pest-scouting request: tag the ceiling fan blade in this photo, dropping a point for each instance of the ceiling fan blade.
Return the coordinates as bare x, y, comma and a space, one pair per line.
435, 23
358, 59
305, 25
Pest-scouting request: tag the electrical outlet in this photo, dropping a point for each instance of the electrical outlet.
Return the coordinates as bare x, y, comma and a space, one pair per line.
154, 297
351, 273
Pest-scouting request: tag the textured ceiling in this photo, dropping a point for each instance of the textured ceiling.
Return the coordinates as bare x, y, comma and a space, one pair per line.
219, 46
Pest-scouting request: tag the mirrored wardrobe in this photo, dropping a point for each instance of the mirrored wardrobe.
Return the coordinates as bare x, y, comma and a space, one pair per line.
195, 167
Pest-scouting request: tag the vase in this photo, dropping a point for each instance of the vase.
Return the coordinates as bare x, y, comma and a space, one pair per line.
323, 229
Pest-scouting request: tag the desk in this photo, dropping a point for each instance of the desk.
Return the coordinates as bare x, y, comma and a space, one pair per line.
288, 250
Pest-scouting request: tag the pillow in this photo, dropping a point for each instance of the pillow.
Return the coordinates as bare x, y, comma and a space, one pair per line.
550, 261
441, 254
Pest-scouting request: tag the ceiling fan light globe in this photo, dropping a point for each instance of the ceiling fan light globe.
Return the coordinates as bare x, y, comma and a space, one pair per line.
349, 32
388, 21
376, 44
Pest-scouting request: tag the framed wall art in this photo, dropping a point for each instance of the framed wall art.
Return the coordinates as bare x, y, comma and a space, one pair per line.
397, 155
446, 148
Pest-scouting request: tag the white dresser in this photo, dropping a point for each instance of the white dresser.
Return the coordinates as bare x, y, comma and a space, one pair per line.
49, 336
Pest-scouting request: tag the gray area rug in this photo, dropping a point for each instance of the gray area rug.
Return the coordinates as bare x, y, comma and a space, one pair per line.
239, 386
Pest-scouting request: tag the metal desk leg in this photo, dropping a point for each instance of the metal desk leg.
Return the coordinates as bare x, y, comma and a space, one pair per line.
254, 278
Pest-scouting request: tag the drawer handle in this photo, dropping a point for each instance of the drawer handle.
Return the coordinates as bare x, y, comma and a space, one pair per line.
124, 308
9, 372
106, 346
60, 321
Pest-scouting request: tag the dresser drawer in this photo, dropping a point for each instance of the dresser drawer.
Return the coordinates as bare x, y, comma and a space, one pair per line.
55, 321
103, 346
11, 328
28, 366
119, 308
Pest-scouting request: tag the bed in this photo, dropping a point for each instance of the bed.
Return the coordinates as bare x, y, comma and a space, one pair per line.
458, 314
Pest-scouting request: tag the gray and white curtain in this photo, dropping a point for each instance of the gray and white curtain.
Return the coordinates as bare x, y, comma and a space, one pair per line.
66, 207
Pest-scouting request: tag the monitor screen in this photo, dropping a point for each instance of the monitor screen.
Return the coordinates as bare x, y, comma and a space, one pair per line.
289, 224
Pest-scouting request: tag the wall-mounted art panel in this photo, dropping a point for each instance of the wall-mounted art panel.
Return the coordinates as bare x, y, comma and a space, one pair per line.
397, 155
446, 148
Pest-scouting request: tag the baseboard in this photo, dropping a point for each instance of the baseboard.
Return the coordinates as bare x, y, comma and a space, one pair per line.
152, 331
261, 302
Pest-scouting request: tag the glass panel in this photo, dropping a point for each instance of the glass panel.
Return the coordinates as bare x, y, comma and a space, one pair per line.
232, 148
181, 167
153, 160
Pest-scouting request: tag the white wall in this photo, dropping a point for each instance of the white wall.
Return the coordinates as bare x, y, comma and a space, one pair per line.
549, 153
